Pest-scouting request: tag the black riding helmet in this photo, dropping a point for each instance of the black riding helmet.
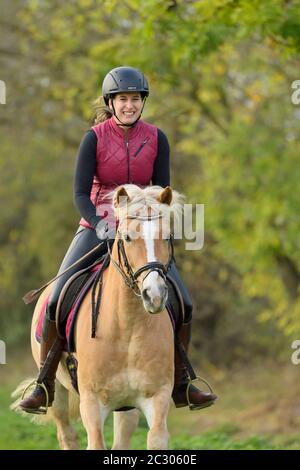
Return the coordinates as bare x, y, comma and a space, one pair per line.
124, 79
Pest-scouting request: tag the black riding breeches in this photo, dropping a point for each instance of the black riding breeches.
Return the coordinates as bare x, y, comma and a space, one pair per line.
85, 240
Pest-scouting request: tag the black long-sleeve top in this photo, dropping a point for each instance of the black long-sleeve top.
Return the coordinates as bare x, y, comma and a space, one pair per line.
85, 171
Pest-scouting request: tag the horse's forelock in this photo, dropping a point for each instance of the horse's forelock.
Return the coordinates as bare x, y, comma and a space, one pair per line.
141, 199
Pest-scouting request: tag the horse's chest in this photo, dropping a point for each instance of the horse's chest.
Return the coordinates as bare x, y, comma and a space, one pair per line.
130, 371
134, 372
135, 366
131, 384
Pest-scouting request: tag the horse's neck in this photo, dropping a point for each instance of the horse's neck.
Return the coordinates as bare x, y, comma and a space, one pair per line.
124, 310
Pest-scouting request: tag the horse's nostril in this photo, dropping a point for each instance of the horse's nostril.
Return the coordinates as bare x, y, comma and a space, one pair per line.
146, 295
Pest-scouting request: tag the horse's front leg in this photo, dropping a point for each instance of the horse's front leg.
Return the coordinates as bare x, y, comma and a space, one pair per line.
156, 411
93, 416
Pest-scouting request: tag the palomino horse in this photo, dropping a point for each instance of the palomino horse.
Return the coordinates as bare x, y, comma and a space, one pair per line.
130, 362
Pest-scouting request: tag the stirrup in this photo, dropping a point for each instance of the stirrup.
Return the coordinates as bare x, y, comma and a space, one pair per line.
193, 407
42, 410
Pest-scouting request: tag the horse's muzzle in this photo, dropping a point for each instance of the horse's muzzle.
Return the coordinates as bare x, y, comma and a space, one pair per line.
155, 303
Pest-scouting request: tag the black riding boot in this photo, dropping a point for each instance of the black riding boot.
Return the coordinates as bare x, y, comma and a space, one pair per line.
197, 398
36, 402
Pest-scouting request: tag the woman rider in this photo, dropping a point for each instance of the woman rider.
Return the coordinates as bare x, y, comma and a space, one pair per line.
120, 148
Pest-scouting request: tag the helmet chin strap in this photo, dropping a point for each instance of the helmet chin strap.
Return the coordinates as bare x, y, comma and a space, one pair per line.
122, 123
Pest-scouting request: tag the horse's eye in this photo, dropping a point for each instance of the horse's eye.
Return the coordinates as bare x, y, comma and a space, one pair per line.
127, 237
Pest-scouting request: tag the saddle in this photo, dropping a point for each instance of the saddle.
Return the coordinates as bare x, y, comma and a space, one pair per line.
70, 299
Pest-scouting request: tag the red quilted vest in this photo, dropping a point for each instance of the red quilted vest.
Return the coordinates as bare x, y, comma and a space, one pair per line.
121, 159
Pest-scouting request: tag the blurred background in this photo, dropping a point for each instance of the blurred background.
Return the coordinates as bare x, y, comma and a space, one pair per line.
221, 75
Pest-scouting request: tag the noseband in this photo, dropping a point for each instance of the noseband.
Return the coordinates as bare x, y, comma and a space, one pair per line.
130, 277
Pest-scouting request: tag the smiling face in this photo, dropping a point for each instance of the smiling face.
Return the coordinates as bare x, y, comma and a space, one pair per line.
128, 107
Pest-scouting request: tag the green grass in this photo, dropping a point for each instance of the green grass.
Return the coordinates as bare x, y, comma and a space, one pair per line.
18, 432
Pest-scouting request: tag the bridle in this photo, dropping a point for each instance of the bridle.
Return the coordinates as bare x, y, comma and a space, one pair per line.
130, 277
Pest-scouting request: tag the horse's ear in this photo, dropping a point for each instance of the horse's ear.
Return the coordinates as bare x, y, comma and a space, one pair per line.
165, 196
121, 197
